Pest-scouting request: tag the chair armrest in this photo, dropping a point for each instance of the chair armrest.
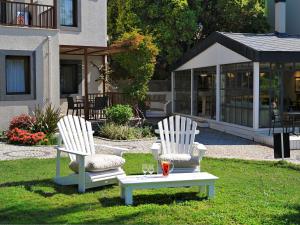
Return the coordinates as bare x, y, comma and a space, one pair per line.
199, 150
71, 151
156, 147
117, 150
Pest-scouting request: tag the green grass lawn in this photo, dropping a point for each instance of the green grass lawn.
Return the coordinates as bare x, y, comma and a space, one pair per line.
246, 193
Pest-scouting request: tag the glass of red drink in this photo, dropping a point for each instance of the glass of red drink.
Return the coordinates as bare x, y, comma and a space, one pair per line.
166, 167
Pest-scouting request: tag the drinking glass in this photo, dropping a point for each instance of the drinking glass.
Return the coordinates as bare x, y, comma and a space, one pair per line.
145, 169
151, 169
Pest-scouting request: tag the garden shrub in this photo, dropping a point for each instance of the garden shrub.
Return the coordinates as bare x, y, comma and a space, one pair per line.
119, 114
46, 119
24, 137
124, 132
24, 122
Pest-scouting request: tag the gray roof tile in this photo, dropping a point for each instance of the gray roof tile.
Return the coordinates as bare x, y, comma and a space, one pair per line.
267, 42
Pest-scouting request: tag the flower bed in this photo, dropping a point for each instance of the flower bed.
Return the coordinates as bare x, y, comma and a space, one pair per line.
24, 137
34, 130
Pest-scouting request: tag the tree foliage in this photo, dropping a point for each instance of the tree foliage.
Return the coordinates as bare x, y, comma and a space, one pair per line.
244, 16
174, 24
137, 64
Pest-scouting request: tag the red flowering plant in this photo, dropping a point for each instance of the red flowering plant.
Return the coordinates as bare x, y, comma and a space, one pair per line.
24, 137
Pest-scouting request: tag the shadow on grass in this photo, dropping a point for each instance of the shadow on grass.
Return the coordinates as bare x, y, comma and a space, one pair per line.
65, 215
47, 188
291, 218
158, 199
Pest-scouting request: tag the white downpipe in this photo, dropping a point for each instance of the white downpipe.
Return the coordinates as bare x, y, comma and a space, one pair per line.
218, 93
255, 95
49, 70
192, 91
172, 91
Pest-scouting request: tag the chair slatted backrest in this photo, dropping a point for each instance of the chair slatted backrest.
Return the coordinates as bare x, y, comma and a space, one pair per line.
77, 135
177, 135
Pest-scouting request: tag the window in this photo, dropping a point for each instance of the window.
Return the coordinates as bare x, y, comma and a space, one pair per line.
70, 75
205, 92
68, 13
17, 75
237, 94
279, 90
182, 92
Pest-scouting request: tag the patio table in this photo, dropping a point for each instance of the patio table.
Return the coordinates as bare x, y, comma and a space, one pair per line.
205, 182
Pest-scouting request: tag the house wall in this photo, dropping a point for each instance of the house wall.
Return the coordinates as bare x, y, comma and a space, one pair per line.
93, 25
45, 45
214, 55
93, 73
292, 12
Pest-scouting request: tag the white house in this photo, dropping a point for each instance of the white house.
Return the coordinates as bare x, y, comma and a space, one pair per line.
47, 48
235, 80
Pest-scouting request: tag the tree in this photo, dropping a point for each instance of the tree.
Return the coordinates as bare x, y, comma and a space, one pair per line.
137, 64
174, 24
244, 16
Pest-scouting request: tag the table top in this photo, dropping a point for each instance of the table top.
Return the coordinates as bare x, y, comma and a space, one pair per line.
173, 177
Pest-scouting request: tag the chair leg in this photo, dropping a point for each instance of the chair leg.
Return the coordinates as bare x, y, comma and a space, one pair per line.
81, 175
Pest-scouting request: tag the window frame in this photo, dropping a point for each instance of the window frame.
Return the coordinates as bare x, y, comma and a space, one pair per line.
76, 17
31, 94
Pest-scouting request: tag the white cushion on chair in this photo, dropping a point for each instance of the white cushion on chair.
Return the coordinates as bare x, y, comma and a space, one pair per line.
175, 157
99, 162
181, 160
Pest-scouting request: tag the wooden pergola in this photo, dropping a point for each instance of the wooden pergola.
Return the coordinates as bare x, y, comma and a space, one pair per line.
87, 51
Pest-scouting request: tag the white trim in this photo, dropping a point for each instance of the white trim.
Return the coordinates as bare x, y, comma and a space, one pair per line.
218, 93
255, 95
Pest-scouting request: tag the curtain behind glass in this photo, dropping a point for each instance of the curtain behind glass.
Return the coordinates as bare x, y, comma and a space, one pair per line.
66, 13
15, 76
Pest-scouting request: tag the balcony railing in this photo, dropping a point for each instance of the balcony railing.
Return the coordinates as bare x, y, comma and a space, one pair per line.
27, 14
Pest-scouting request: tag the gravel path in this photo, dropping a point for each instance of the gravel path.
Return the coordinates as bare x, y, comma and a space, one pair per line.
220, 145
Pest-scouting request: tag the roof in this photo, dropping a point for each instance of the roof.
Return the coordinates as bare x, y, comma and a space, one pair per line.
121, 46
256, 47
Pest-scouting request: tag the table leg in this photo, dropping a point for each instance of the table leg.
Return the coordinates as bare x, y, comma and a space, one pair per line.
211, 191
202, 189
128, 196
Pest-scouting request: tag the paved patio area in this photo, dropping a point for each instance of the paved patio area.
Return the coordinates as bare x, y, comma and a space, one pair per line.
220, 145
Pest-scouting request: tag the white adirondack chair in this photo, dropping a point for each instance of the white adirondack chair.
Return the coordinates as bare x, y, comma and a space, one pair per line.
77, 136
177, 144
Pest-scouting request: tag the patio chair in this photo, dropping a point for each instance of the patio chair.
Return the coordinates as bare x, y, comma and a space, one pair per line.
90, 169
282, 120
74, 106
177, 144
101, 103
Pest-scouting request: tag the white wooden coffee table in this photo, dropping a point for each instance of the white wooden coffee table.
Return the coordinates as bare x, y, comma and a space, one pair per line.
205, 181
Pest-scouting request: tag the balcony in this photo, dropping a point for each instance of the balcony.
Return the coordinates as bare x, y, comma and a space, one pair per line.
27, 14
